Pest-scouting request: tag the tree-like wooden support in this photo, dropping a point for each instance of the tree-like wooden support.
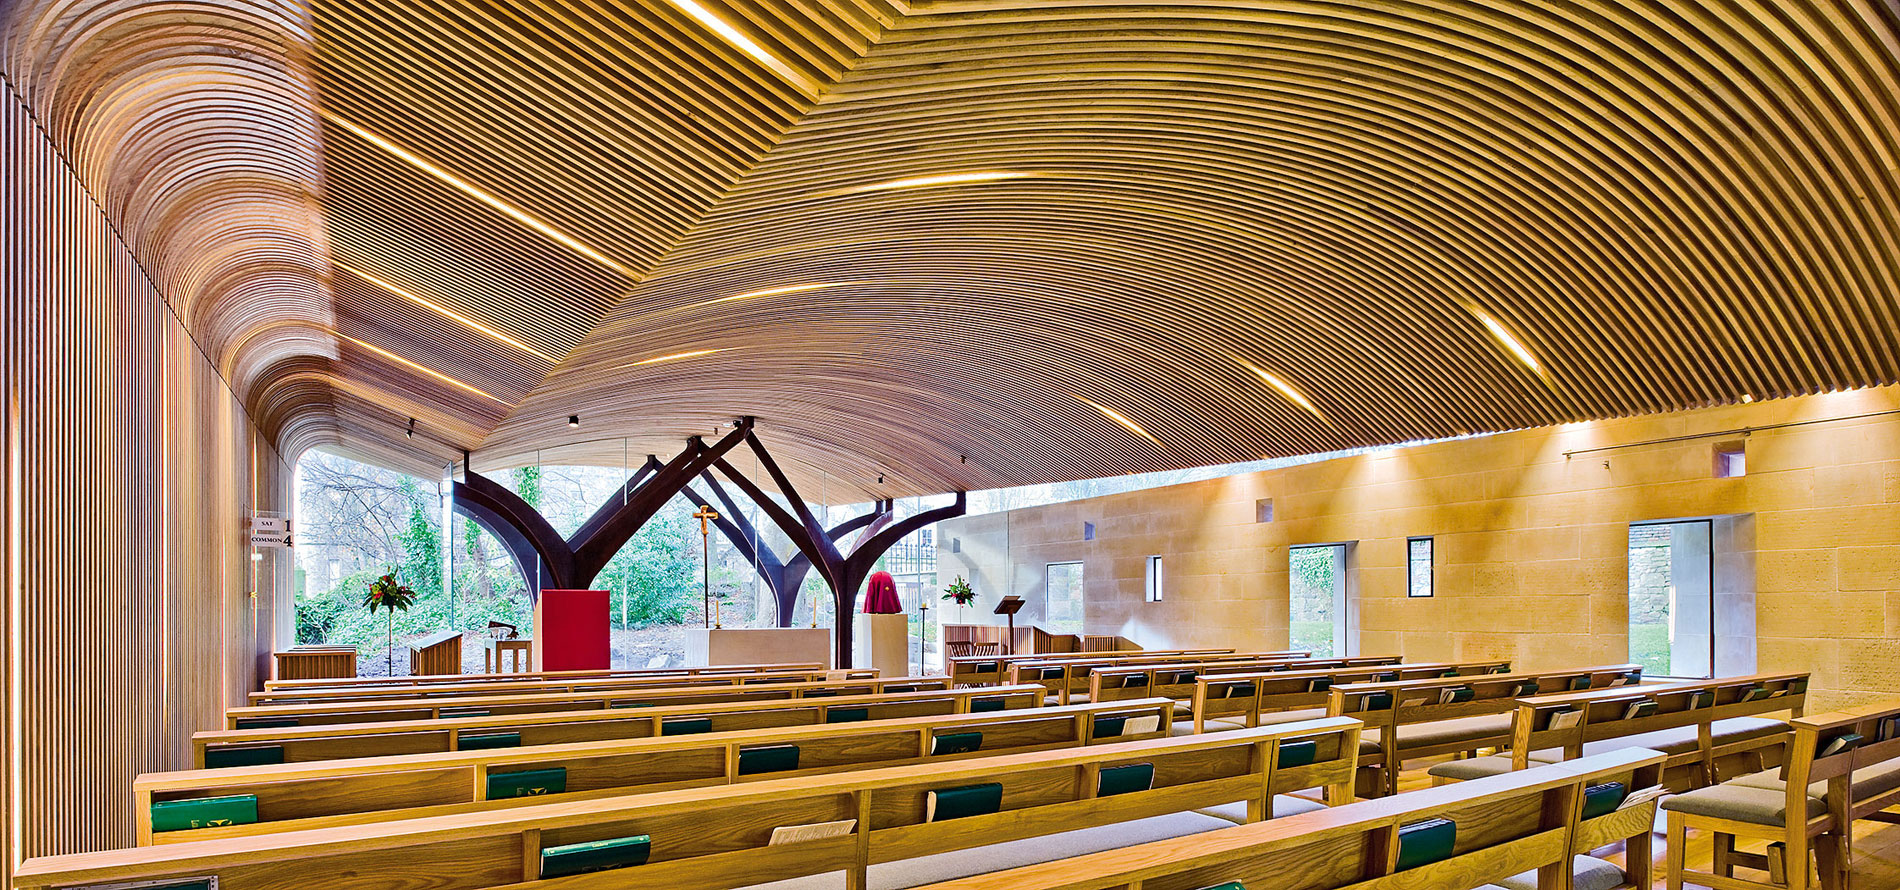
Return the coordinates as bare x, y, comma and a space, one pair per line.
572, 563
843, 573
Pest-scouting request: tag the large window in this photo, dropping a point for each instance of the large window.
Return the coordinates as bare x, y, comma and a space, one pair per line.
1671, 600
1317, 608
1062, 598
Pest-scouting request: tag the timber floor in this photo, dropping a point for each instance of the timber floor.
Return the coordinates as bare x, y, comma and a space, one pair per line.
1876, 846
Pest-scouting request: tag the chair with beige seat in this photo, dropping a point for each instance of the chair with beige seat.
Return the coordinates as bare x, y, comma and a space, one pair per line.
1841, 767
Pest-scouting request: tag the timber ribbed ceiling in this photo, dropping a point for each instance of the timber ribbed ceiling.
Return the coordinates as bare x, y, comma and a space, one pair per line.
973, 244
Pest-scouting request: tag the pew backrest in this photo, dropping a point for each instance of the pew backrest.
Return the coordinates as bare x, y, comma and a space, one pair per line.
721, 837
436, 679
1499, 827
1247, 696
1568, 721
405, 708
303, 744
543, 686
297, 796
1178, 681
993, 670
1071, 677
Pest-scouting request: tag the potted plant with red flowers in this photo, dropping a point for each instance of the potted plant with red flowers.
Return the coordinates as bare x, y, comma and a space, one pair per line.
389, 594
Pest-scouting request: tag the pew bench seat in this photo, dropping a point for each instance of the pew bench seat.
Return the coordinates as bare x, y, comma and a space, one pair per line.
1586, 873
1762, 798
1440, 732
1676, 740
922, 870
1267, 718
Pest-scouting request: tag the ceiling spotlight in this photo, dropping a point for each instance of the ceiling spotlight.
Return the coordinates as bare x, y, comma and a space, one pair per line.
411, 431
880, 478
963, 458
574, 421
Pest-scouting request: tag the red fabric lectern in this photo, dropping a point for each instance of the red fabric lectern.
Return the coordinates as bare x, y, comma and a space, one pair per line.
570, 631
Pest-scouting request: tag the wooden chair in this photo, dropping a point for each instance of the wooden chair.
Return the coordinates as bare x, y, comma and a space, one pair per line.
1701, 725
722, 837
766, 686
1840, 767
297, 796
1231, 701
1530, 824
1405, 718
301, 744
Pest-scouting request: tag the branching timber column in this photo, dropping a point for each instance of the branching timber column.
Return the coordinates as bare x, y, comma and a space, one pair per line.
573, 563
819, 549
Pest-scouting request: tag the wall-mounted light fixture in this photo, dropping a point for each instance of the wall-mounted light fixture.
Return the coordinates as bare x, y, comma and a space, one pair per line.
574, 421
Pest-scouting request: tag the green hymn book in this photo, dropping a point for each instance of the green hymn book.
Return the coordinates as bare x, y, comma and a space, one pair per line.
1297, 753
574, 859
1124, 779
447, 713
894, 689
847, 715
204, 812
1602, 800
1387, 677
1133, 680
956, 743
266, 722
686, 726
967, 800
767, 759
1577, 683
1052, 673
482, 741
986, 705
1446, 675
1421, 843
1236, 690
1375, 701
1319, 684
1526, 690
255, 755
1230, 885
527, 783
1701, 698
1755, 693
1109, 726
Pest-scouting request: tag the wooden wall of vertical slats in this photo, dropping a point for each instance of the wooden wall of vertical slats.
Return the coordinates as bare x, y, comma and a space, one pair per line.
129, 470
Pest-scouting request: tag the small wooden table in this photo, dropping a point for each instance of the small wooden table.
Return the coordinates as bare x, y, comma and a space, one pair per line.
493, 650
438, 653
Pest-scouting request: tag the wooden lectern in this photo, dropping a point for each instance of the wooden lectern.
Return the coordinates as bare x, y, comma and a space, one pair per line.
1008, 609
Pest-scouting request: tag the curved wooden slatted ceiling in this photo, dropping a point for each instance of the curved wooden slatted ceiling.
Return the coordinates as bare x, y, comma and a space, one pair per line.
1215, 231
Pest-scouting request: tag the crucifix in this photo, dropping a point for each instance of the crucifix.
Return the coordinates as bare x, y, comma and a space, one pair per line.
706, 514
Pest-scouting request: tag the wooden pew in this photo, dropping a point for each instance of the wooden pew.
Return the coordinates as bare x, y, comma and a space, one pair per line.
1826, 790
720, 837
354, 682
993, 670
1700, 724
427, 735
1505, 826
1177, 680
578, 684
1069, 678
535, 703
1405, 719
296, 796
1228, 701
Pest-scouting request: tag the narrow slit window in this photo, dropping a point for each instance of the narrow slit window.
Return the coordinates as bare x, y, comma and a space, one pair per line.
1154, 579
1418, 565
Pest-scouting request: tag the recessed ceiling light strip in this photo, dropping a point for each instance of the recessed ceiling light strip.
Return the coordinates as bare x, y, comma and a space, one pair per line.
444, 310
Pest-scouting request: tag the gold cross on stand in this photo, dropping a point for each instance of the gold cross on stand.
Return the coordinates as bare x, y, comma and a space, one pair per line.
709, 610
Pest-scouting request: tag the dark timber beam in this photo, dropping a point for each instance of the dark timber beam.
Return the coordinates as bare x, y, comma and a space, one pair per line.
573, 563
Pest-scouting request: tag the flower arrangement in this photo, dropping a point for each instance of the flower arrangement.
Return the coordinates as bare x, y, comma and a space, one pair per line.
960, 591
388, 593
